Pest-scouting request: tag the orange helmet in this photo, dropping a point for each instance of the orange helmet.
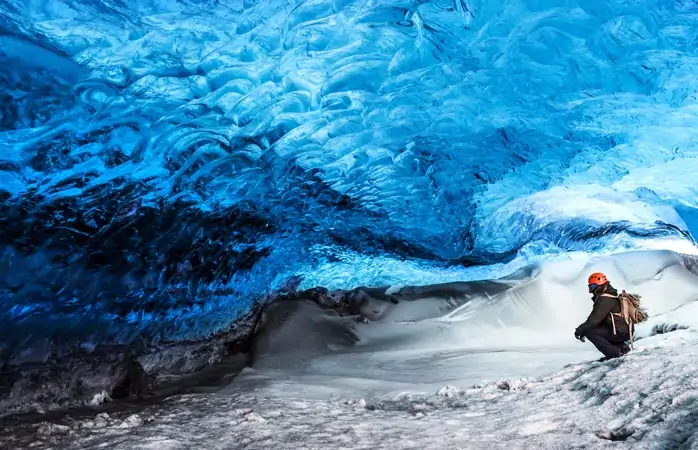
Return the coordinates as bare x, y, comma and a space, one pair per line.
598, 279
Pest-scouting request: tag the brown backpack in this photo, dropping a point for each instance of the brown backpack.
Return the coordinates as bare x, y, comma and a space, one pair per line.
630, 311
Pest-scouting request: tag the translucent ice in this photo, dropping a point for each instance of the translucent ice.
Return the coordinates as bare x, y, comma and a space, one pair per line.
154, 152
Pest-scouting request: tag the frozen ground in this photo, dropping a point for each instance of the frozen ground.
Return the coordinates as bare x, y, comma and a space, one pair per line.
498, 371
646, 399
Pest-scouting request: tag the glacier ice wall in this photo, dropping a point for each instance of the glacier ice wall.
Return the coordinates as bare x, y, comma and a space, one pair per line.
154, 152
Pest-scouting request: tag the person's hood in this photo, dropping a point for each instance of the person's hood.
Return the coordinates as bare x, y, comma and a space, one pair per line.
609, 290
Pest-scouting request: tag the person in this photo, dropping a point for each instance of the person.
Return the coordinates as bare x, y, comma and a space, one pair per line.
607, 331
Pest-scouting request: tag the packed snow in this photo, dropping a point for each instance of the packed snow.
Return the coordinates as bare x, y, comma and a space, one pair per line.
646, 399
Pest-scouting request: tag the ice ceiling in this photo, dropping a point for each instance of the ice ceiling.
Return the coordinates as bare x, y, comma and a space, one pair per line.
163, 163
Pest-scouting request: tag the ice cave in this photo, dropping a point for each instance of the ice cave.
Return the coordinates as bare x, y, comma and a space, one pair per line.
351, 224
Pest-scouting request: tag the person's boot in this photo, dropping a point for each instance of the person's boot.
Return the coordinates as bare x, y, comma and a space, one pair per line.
623, 350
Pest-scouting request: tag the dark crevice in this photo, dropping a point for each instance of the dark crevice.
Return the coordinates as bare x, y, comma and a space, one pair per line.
619, 435
132, 381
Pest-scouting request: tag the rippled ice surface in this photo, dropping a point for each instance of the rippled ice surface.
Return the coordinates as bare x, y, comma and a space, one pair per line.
149, 146
486, 371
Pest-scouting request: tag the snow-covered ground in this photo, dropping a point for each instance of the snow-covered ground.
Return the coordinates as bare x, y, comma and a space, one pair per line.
646, 398
490, 372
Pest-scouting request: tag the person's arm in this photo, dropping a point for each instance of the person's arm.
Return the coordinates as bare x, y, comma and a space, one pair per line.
602, 308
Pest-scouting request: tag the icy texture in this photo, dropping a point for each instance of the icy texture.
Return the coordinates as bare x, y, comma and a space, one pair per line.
647, 400
418, 380
190, 146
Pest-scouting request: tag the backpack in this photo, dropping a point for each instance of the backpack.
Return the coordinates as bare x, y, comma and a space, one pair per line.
630, 311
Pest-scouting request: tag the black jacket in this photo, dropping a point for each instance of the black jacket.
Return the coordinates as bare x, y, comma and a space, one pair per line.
601, 314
